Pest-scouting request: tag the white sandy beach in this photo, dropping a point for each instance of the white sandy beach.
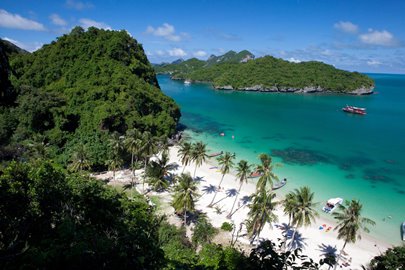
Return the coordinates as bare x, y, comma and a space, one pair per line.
315, 242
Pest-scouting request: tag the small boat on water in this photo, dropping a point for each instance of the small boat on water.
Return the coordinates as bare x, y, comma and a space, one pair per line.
255, 174
355, 110
403, 231
187, 82
280, 184
216, 154
332, 204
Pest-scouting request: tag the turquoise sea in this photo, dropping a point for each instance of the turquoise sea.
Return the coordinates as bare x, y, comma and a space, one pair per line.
316, 144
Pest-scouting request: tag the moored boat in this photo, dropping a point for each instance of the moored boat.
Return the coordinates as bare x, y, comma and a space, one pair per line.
280, 184
215, 154
332, 204
187, 82
355, 110
255, 174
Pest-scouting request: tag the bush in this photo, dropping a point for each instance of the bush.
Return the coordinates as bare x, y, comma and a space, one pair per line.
204, 232
226, 226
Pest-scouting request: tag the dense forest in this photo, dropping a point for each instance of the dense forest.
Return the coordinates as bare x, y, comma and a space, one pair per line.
268, 74
77, 90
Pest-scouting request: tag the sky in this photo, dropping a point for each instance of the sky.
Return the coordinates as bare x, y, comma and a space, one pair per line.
355, 35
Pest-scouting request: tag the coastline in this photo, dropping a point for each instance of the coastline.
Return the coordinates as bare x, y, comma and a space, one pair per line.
315, 242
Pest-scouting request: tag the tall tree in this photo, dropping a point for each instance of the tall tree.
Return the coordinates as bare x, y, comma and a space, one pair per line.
350, 222
158, 170
243, 170
80, 159
226, 162
185, 195
147, 151
305, 211
114, 163
267, 177
185, 153
133, 144
289, 205
261, 212
199, 154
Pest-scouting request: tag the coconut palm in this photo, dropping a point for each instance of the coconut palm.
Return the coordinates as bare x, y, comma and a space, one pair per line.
243, 170
157, 172
114, 163
133, 144
80, 159
198, 154
185, 195
261, 212
226, 162
350, 222
115, 142
304, 212
148, 149
267, 176
184, 153
289, 205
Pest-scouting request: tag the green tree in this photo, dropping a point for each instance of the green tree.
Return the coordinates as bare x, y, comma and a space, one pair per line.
304, 210
199, 154
148, 149
261, 212
267, 176
133, 144
80, 160
114, 163
243, 171
185, 153
392, 258
158, 170
226, 162
185, 195
203, 232
350, 222
289, 206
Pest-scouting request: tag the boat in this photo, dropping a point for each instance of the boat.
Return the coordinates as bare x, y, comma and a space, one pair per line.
280, 184
215, 154
403, 231
255, 174
187, 82
332, 204
355, 110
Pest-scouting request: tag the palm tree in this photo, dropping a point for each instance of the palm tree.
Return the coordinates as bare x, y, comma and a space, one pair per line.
148, 150
350, 222
243, 170
289, 205
304, 212
198, 154
133, 144
184, 153
261, 212
157, 172
266, 171
226, 162
185, 195
80, 159
114, 163
115, 142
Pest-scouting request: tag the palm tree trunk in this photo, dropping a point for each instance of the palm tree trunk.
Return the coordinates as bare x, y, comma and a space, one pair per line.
132, 168
114, 175
195, 169
230, 213
216, 191
144, 176
340, 255
185, 216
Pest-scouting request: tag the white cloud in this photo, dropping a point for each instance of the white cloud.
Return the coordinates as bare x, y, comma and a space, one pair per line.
86, 23
200, 53
346, 27
31, 47
78, 5
373, 63
379, 38
293, 60
15, 21
177, 52
57, 20
166, 31
160, 52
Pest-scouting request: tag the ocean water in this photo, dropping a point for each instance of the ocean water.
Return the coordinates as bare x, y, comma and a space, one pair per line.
312, 141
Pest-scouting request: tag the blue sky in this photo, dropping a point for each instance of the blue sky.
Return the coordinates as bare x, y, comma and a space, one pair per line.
366, 36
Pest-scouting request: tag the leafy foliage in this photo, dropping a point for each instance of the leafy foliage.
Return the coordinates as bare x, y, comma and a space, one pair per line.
204, 232
226, 226
267, 72
393, 258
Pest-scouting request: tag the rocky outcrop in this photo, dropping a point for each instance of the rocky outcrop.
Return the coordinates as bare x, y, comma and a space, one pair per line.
308, 89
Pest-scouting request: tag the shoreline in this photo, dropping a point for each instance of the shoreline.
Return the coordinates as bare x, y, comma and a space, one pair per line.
315, 242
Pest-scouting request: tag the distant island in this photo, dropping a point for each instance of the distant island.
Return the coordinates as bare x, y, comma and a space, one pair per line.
241, 71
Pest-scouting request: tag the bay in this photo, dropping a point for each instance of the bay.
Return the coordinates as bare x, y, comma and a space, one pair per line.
312, 141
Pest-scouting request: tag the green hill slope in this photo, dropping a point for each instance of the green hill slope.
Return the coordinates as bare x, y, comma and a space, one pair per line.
240, 71
86, 85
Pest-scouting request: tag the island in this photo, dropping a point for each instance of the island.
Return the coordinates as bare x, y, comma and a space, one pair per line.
242, 71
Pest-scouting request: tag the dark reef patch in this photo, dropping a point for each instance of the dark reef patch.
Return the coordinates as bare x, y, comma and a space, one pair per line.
378, 175
310, 138
301, 156
206, 124
350, 176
